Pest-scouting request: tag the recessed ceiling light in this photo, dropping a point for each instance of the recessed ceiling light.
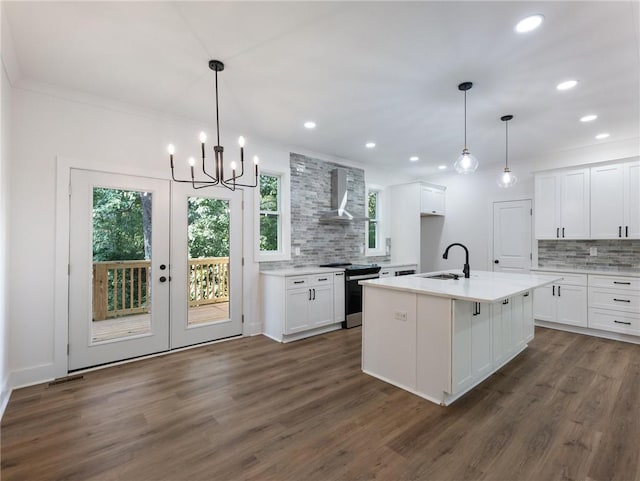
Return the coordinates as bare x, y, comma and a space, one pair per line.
568, 84
310, 124
602, 136
442, 167
529, 23
370, 145
588, 118
414, 158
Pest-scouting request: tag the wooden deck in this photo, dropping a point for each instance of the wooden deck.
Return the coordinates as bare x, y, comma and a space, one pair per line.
137, 324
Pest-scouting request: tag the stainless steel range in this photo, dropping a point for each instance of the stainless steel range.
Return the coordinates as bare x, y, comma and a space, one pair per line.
353, 291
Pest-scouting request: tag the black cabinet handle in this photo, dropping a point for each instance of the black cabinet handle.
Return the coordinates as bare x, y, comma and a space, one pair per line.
559, 291
625, 283
314, 294
526, 294
621, 300
619, 231
622, 322
554, 290
309, 294
339, 273
626, 231
557, 232
298, 282
563, 232
323, 279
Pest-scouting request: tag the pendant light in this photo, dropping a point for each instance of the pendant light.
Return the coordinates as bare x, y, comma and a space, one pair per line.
216, 177
466, 163
506, 178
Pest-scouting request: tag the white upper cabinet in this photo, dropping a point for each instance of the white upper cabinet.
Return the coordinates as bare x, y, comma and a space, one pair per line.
432, 200
615, 201
562, 205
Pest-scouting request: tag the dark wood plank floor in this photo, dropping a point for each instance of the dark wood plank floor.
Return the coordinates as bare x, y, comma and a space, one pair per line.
251, 409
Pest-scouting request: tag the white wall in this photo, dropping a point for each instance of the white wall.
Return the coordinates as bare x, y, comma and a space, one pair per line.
97, 135
470, 197
5, 130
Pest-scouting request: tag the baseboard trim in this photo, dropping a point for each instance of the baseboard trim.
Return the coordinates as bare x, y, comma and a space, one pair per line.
31, 375
614, 336
5, 394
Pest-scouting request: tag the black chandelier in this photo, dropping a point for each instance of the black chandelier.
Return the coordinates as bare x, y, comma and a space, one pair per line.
216, 178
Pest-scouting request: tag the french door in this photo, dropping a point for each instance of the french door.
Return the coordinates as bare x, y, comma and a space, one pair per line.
151, 269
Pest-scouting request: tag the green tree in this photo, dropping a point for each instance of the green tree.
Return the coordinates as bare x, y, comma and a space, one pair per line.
208, 227
269, 218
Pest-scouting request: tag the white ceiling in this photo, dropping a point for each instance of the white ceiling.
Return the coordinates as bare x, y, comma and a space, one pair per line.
381, 71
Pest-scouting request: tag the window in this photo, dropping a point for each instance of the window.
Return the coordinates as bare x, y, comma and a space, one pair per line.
272, 219
373, 232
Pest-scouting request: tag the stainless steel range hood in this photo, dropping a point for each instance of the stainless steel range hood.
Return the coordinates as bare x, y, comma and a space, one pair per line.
339, 196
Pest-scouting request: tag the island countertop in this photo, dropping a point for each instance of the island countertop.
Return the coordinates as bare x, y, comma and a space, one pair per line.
482, 286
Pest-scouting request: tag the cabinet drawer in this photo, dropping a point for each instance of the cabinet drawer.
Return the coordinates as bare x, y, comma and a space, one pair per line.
297, 281
602, 298
320, 279
618, 283
625, 323
572, 279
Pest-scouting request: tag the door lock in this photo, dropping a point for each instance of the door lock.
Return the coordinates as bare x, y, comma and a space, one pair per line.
162, 279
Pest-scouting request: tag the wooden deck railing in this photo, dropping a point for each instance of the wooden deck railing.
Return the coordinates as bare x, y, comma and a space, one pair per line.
122, 288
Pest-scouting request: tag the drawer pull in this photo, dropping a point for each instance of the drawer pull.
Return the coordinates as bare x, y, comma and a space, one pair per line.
623, 283
622, 322
323, 279
622, 300
298, 282
526, 294
619, 231
339, 273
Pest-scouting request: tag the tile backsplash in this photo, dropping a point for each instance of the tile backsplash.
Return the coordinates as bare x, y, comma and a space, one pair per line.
620, 255
323, 242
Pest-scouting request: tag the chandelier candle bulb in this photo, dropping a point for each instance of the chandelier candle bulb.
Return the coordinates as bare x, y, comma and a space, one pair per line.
172, 150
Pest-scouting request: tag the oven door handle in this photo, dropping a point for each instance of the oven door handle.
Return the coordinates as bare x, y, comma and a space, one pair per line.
362, 277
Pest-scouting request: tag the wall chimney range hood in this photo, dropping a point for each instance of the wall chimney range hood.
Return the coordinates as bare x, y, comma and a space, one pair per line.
339, 195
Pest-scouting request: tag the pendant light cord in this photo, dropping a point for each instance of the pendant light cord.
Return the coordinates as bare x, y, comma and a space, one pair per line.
465, 119
506, 148
217, 116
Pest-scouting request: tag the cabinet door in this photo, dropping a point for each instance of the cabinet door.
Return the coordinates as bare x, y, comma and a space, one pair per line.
607, 219
321, 305
632, 200
527, 314
546, 206
517, 323
338, 297
571, 305
432, 201
501, 333
462, 360
544, 303
574, 205
297, 310
481, 348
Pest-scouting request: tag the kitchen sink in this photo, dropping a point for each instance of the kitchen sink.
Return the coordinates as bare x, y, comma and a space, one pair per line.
444, 276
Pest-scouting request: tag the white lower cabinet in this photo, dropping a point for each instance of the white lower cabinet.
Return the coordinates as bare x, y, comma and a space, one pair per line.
614, 304
294, 307
564, 302
472, 357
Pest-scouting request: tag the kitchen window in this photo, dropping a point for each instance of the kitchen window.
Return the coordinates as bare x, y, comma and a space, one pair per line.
373, 230
272, 220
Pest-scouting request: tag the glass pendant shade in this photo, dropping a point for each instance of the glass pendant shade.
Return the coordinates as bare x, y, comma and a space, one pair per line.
466, 163
506, 179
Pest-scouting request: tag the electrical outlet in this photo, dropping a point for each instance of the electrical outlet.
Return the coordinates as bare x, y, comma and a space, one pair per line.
400, 315
297, 251
593, 251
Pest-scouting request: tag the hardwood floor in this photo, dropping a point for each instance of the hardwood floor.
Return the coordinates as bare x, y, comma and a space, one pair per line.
251, 409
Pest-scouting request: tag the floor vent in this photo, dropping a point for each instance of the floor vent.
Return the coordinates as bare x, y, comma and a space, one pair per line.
64, 380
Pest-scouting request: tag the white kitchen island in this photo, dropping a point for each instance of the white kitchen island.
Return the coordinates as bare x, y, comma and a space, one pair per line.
440, 338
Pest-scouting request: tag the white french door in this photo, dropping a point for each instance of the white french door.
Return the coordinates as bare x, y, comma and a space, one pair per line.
206, 300
512, 236
153, 266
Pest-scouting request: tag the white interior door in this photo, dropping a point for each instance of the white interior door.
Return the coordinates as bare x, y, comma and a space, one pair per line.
118, 267
206, 264
512, 236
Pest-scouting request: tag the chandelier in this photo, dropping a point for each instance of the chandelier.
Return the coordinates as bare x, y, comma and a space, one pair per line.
215, 178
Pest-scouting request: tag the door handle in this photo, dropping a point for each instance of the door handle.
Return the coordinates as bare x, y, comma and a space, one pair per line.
162, 279
621, 300
622, 322
497, 261
162, 267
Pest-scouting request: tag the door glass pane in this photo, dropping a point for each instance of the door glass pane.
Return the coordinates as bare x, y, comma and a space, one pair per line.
121, 264
208, 231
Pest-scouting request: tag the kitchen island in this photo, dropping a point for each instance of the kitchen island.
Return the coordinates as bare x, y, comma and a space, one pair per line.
439, 338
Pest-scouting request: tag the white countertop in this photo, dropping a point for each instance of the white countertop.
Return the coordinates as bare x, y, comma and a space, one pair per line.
482, 286
598, 272
301, 271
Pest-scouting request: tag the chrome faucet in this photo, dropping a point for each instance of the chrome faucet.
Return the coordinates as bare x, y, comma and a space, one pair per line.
465, 269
